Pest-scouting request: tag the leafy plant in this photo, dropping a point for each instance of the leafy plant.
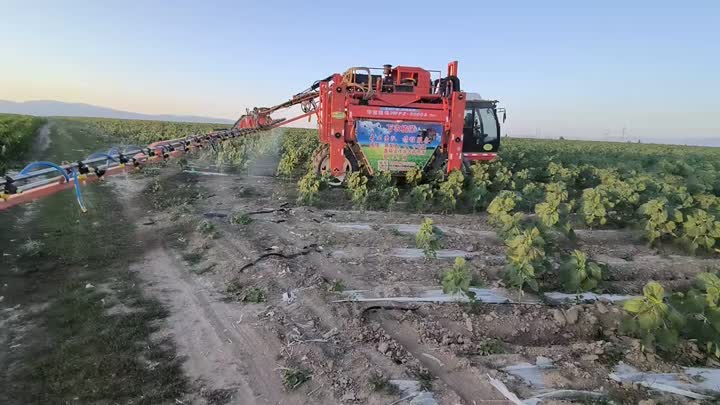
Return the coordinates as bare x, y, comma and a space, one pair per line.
578, 274
652, 320
457, 280
559, 173
701, 309
309, 189
477, 192
657, 219
240, 219
450, 190
383, 194
501, 215
554, 212
337, 286
294, 377
421, 197
531, 195
254, 295
16, 135
296, 149
427, 240
358, 189
525, 256
594, 206
700, 230
502, 178
414, 176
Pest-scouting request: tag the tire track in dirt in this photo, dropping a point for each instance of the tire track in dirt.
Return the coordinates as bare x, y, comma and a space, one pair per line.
471, 384
223, 349
464, 383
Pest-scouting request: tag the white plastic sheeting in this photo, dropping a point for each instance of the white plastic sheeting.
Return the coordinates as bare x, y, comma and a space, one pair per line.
485, 295
693, 382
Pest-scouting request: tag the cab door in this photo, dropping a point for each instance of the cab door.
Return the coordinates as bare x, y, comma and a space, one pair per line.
481, 131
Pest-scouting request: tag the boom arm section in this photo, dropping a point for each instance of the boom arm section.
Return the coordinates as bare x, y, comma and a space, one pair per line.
40, 179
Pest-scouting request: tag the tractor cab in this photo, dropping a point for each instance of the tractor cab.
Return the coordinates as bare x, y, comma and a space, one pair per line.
481, 130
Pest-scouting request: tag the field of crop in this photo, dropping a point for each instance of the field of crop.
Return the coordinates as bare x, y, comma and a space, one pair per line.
147, 131
565, 272
16, 135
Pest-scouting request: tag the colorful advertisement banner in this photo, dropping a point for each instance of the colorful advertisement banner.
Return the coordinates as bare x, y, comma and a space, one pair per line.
398, 146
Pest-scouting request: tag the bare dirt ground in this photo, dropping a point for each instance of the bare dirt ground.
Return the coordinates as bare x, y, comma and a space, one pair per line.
272, 303
257, 290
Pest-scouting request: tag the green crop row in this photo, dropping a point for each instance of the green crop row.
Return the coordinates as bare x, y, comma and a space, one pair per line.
16, 135
140, 131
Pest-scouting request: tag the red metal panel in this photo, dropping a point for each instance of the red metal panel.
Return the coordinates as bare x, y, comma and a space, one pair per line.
397, 114
457, 112
336, 130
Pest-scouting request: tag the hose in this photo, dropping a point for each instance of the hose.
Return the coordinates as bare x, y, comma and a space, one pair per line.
75, 175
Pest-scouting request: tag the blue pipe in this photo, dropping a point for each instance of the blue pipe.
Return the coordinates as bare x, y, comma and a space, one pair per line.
78, 194
33, 165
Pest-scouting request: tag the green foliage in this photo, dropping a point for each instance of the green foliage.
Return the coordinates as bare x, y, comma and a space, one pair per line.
240, 219
358, 189
450, 190
427, 240
702, 315
414, 176
478, 192
594, 206
309, 189
293, 377
421, 197
16, 135
525, 256
141, 131
254, 295
578, 274
554, 211
694, 315
457, 280
501, 215
501, 176
559, 173
657, 219
337, 286
296, 151
652, 320
383, 194
532, 194
700, 230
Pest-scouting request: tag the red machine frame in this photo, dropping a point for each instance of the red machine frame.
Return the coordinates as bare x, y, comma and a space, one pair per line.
342, 100
400, 94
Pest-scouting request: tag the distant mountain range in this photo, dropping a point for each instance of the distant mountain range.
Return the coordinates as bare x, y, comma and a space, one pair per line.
52, 108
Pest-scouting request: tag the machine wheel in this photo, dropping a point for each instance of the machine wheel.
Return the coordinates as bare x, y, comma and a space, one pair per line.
321, 163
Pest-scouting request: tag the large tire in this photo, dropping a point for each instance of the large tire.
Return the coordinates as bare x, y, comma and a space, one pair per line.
321, 162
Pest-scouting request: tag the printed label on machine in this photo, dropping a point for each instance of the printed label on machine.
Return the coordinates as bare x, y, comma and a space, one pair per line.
398, 146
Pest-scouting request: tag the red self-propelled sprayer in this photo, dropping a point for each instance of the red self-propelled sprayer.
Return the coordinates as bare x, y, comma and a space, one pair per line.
369, 119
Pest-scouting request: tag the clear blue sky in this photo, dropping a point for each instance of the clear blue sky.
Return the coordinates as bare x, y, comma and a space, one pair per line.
560, 68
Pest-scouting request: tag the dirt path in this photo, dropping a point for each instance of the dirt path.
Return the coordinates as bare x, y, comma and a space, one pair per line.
224, 346
302, 258
255, 291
